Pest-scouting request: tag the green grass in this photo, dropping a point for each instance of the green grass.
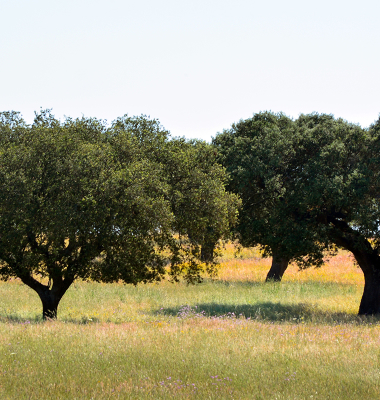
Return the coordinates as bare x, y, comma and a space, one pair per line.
231, 338
86, 302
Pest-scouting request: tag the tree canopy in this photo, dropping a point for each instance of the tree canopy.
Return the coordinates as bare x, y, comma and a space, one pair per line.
81, 200
261, 155
307, 185
339, 188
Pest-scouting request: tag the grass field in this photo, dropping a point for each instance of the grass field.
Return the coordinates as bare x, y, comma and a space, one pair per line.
234, 337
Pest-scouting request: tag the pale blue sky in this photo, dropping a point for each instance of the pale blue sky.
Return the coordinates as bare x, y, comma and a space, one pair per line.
197, 66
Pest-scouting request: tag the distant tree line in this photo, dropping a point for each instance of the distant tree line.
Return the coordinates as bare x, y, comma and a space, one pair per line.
127, 202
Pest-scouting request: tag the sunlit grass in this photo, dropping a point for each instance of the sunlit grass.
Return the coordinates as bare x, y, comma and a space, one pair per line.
248, 265
233, 337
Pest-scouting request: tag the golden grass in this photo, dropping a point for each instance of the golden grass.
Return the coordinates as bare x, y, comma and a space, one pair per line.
233, 337
250, 266
189, 358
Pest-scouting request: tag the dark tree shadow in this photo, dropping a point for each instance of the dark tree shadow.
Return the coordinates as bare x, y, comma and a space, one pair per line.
17, 319
267, 312
264, 312
37, 319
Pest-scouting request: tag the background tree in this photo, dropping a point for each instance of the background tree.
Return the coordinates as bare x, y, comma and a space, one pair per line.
80, 200
311, 184
260, 155
204, 211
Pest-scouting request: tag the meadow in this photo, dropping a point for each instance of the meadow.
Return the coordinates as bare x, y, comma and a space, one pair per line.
232, 337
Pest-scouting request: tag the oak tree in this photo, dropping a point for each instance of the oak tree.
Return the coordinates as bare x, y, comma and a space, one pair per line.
260, 156
307, 185
83, 200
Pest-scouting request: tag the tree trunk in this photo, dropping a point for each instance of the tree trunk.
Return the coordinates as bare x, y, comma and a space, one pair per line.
370, 265
370, 302
279, 266
207, 252
50, 303
367, 258
369, 262
50, 295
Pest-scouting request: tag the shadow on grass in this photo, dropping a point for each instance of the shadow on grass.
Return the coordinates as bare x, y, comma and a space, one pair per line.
267, 312
37, 319
19, 319
261, 312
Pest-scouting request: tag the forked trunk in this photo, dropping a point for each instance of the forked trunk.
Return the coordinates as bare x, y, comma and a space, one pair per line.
279, 266
50, 295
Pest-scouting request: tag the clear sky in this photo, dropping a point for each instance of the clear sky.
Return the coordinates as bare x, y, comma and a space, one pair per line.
196, 65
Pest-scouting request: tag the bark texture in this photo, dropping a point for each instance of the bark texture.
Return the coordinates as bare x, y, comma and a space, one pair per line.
279, 266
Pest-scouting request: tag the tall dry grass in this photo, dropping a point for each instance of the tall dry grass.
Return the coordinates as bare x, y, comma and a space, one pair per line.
234, 337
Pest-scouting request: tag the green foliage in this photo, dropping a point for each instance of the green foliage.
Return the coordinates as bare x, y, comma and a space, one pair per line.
72, 208
204, 211
301, 180
261, 155
338, 183
308, 185
83, 200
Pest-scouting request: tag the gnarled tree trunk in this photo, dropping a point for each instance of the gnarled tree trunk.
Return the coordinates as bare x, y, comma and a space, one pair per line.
279, 266
50, 295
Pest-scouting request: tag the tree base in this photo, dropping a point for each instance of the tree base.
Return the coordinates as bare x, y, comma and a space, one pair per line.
278, 268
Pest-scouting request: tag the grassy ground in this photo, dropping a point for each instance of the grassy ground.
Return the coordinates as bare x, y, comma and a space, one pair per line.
231, 338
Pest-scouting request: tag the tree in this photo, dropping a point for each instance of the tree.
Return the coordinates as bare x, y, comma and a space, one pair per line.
204, 211
260, 155
81, 200
338, 190
316, 184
